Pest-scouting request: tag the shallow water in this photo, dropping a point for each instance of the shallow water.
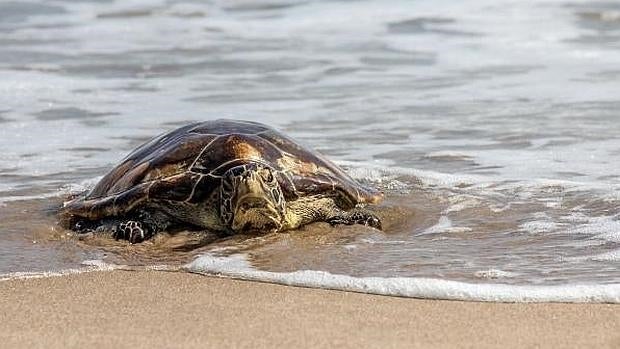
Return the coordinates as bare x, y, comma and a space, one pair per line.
492, 127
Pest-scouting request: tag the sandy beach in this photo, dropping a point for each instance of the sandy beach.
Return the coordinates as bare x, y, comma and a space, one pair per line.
155, 309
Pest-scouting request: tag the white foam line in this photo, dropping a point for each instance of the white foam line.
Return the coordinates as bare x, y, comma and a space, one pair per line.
237, 267
91, 267
380, 172
75, 188
611, 256
369, 171
8, 199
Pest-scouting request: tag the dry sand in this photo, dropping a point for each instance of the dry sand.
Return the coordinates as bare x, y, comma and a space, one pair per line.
151, 309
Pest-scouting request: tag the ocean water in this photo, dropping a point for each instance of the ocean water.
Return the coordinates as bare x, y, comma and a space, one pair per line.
492, 127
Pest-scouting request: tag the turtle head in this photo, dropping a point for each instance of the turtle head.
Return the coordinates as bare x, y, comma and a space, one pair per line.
251, 199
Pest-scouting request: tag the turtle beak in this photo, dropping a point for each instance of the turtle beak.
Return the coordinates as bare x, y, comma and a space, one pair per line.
255, 213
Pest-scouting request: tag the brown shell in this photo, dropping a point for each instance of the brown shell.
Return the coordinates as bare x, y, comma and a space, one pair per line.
187, 164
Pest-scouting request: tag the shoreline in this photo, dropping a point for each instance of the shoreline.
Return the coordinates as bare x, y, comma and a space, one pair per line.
159, 309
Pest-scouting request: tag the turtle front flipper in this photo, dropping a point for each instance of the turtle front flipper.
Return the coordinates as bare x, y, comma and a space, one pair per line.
356, 216
135, 228
133, 231
100, 227
130, 230
143, 227
325, 209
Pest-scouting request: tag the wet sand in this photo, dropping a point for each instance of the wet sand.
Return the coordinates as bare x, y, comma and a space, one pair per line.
155, 309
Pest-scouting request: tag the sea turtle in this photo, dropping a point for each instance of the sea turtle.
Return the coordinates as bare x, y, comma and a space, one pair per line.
226, 176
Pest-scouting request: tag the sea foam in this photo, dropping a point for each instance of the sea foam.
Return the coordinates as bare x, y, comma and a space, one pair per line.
237, 266
92, 265
89, 266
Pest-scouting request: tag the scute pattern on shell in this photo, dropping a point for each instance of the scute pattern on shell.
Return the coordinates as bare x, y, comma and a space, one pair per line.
186, 165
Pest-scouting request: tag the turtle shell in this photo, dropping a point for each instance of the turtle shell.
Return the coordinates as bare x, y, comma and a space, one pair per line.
187, 164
